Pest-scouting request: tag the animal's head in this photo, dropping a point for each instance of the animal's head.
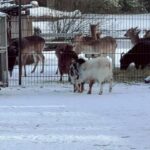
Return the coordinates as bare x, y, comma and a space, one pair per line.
78, 38
37, 31
124, 61
74, 69
132, 32
12, 54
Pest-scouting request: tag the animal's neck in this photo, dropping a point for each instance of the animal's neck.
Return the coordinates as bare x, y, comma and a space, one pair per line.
134, 39
93, 32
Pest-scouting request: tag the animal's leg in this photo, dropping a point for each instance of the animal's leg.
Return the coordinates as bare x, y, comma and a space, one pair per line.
69, 80
90, 87
74, 88
101, 88
110, 85
61, 74
143, 66
56, 71
35, 57
137, 66
23, 64
42, 57
113, 59
82, 87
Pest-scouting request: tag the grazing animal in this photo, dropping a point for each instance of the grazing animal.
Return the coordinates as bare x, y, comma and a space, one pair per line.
133, 34
64, 54
139, 55
102, 46
30, 45
97, 69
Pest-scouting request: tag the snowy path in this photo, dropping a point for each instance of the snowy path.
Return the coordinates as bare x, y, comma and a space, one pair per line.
51, 118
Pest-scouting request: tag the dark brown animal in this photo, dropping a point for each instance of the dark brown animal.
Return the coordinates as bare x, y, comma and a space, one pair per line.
139, 55
65, 54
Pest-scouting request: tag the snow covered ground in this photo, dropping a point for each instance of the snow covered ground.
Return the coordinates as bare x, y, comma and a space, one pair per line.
53, 117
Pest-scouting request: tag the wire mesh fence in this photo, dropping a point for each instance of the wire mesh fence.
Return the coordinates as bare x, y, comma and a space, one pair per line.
59, 27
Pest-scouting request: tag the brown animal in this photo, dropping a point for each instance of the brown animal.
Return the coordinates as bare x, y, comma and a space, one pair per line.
102, 46
65, 54
133, 34
30, 45
95, 33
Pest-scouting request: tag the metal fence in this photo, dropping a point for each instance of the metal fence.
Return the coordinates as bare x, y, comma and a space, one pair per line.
60, 26
3, 51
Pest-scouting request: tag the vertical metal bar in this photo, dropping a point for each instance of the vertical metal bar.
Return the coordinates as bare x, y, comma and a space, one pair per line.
20, 36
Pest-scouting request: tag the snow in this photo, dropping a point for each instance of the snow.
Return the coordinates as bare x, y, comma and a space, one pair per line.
45, 11
53, 117
49, 115
2, 14
147, 79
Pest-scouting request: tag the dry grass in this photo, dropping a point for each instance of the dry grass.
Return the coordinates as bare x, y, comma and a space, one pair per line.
131, 74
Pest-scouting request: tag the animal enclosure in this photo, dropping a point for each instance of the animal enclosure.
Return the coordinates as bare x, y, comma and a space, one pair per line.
57, 28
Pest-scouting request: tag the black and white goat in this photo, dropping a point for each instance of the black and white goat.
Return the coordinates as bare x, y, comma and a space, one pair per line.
97, 69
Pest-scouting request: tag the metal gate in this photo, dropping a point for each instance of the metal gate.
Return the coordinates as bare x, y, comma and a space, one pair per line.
3, 51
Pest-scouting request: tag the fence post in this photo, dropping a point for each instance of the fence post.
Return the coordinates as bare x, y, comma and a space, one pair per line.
20, 36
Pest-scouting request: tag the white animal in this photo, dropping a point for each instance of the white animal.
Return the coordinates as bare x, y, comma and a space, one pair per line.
97, 69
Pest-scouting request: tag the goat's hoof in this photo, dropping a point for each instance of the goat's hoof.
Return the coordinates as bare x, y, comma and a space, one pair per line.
100, 93
88, 92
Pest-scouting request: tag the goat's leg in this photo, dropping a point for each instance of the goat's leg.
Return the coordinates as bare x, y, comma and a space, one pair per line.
74, 88
90, 86
101, 88
82, 86
110, 85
